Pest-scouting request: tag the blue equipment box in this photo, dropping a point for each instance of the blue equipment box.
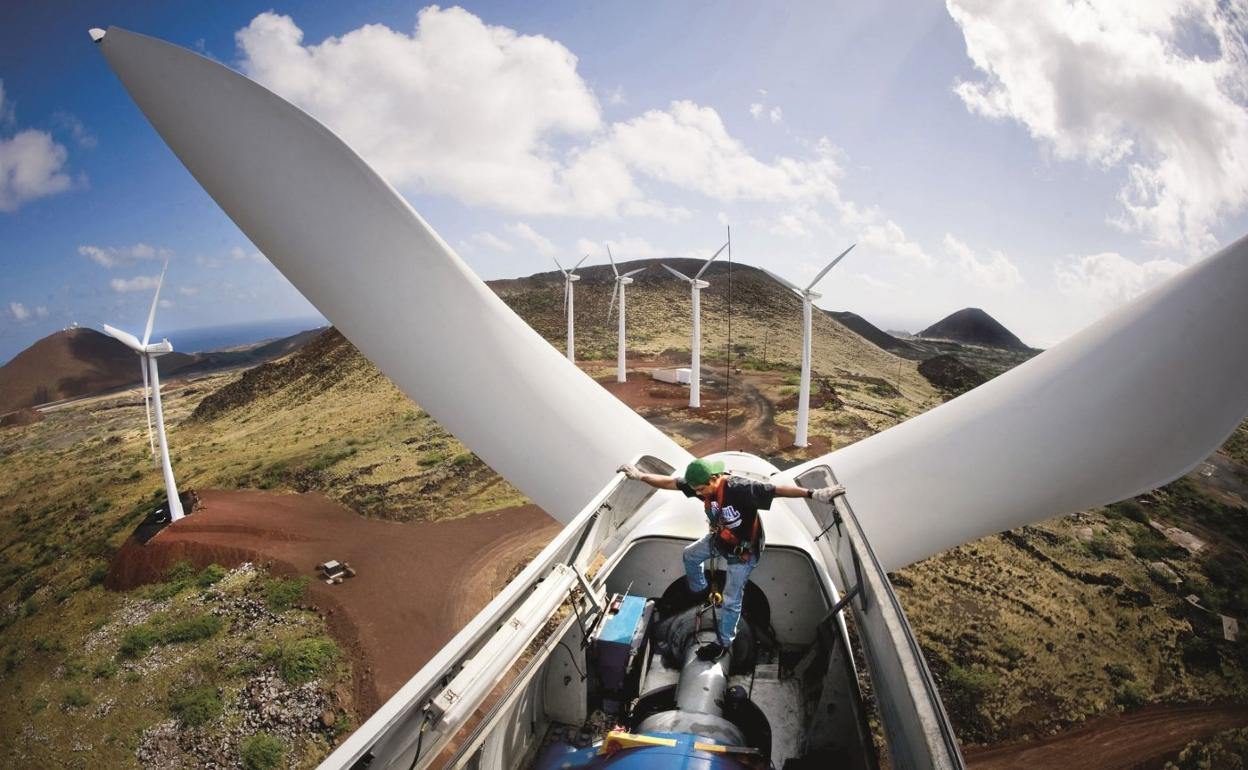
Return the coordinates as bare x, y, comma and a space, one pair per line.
620, 638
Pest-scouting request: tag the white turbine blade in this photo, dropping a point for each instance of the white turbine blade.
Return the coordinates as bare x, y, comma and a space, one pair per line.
617, 272
147, 404
151, 314
304, 199
565, 272
712, 259
1130, 403
631, 273
678, 274
785, 282
129, 339
831, 265
567, 288
578, 264
611, 308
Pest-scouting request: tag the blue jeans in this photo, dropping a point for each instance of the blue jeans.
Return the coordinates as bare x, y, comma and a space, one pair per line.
734, 586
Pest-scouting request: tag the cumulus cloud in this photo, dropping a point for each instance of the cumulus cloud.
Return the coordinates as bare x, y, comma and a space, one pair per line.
486, 239
1119, 85
70, 123
32, 165
756, 110
994, 271
1111, 279
238, 253
622, 248
776, 115
41, 311
188, 291
137, 283
123, 256
19, 311
539, 242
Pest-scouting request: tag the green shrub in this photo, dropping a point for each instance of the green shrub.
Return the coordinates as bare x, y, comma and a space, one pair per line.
210, 575
74, 698
1103, 547
303, 660
1132, 510
180, 571
967, 686
1131, 696
27, 588
1119, 673
199, 627
262, 752
105, 670
461, 459
30, 607
98, 575
281, 594
197, 706
138, 640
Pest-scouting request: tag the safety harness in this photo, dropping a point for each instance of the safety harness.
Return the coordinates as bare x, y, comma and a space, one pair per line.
728, 541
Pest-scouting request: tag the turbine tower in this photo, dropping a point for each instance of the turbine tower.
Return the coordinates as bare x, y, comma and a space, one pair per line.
696, 285
808, 296
151, 393
569, 277
620, 282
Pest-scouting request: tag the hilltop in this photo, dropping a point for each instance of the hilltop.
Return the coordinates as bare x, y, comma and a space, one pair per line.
972, 326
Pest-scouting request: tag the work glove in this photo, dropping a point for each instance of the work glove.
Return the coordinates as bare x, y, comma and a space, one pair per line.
826, 494
630, 471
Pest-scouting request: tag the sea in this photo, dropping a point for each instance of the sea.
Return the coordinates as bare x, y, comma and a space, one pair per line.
208, 338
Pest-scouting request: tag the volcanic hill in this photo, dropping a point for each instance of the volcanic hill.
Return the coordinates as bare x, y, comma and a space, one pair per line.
972, 326
72, 362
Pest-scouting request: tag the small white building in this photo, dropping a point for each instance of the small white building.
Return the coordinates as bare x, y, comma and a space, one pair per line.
682, 376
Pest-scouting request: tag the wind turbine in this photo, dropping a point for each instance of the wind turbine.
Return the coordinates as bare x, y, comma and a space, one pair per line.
570, 277
148, 354
1086, 423
808, 296
696, 285
620, 282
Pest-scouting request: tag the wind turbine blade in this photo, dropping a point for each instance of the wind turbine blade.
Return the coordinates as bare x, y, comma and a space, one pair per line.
578, 264
712, 259
677, 273
631, 273
567, 287
831, 265
151, 314
611, 308
617, 272
304, 199
785, 282
565, 272
147, 403
1132, 402
129, 339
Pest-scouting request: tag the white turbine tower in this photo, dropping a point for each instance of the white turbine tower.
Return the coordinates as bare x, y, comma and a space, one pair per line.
570, 277
808, 296
696, 285
620, 282
151, 392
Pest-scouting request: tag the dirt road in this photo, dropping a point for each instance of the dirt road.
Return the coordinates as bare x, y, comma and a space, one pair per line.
1139, 740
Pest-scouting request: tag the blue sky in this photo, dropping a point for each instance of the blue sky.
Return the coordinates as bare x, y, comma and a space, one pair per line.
1045, 162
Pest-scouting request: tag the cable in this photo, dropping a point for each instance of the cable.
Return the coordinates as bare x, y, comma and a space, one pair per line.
572, 655
728, 370
420, 740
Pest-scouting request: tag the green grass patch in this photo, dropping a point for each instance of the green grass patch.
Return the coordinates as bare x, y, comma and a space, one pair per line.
280, 594
262, 751
210, 575
74, 698
138, 640
301, 661
192, 630
196, 706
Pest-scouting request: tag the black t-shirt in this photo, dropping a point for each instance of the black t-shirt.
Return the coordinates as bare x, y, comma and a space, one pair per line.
742, 500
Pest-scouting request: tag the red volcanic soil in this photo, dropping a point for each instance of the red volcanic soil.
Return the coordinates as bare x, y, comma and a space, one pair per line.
1141, 740
417, 583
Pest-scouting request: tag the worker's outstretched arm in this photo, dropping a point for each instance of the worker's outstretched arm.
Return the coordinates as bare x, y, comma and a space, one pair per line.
823, 495
653, 479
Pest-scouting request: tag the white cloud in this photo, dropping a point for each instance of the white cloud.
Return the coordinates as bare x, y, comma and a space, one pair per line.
776, 115
615, 96
188, 291
1111, 279
995, 271
19, 311
69, 122
239, 254
523, 232
123, 256
622, 248
41, 311
1111, 82
486, 239
871, 280
165, 303
137, 283
756, 110
31, 166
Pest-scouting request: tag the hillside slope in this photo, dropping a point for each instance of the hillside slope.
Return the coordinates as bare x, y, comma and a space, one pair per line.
972, 326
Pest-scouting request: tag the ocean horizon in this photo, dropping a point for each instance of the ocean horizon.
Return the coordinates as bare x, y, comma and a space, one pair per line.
209, 338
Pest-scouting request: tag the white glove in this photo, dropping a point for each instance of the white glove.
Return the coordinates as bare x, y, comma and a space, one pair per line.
630, 471
826, 494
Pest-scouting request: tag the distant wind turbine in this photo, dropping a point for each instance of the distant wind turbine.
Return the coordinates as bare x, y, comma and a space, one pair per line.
808, 296
570, 277
695, 367
620, 282
151, 392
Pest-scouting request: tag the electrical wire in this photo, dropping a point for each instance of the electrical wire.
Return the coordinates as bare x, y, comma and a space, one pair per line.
728, 370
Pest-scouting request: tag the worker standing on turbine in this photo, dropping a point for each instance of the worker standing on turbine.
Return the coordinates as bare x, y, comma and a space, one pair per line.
731, 504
